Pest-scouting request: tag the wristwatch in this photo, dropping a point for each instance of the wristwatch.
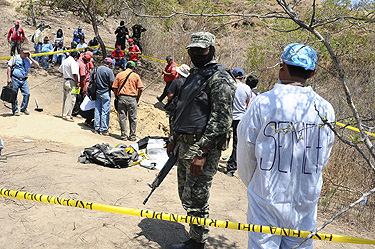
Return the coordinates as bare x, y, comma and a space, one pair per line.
201, 153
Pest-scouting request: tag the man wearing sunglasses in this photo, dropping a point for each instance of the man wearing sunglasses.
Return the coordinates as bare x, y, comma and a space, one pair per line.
201, 130
18, 69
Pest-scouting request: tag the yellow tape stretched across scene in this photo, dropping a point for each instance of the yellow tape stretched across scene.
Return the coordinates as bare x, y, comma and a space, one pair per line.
49, 53
353, 128
179, 218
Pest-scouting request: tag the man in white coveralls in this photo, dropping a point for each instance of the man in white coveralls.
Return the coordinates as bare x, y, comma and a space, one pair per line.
282, 149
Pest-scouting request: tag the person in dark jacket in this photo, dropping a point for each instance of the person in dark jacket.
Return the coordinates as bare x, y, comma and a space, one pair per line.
137, 31
122, 34
173, 90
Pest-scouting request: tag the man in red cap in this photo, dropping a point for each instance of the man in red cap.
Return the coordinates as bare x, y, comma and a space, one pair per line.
16, 36
118, 57
134, 51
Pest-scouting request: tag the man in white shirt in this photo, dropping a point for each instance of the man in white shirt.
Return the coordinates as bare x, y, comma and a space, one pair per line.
240, 103
283, 145
70, 70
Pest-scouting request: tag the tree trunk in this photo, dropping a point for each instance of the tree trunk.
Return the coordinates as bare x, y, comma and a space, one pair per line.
96, 31
31, 6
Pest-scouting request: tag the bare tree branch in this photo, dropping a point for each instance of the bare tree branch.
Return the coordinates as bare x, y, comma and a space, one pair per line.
226, 23
364, 197
346, 188
313, 15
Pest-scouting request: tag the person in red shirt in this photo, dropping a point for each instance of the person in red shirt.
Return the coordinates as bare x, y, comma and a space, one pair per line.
87, 55
84, 71
118, 57
134, 51
170, 74
16, 36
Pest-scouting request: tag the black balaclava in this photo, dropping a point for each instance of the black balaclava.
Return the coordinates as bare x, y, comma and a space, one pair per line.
201, 60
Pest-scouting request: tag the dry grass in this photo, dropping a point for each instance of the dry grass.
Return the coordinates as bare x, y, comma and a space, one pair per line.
347, 168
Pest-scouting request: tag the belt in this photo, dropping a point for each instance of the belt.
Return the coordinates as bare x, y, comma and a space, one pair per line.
189, 138
127, 95
68, 79
22, 79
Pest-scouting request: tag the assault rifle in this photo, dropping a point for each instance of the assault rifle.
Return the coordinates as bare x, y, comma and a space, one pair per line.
162, 174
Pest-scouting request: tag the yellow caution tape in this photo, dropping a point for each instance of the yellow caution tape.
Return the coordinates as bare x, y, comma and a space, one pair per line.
353, 128
49, 53
5, 58
179, 218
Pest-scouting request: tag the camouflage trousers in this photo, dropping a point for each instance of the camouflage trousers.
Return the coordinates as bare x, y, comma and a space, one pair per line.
194, 191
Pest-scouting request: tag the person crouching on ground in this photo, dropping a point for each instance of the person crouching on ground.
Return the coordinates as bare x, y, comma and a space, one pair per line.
128, 89
118, 57
17, 71
104, 78
283, 146
46, 48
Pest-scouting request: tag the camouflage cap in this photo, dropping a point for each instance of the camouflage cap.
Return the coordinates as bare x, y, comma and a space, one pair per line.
201, 40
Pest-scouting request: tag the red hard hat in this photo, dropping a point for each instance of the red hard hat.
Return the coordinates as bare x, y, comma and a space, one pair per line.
16, 23
131, 40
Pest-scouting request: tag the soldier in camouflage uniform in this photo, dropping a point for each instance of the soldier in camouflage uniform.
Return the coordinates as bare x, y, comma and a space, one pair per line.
202, 128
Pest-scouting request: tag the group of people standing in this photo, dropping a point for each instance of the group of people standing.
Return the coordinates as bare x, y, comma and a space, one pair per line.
127, 87
122, 35
77, 70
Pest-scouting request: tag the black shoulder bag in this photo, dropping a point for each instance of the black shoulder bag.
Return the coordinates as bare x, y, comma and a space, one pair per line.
8, 93
91, 88
118, 93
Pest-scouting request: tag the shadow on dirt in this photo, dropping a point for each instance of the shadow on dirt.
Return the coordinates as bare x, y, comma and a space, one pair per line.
160, 106
166, 233
162, 232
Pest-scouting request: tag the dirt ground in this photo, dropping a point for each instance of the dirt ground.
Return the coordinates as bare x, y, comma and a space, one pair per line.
49, 166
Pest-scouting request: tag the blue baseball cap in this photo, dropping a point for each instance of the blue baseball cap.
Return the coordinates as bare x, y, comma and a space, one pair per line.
238, 72
296, 54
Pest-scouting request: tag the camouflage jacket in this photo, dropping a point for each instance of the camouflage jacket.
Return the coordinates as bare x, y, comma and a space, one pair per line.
220, 89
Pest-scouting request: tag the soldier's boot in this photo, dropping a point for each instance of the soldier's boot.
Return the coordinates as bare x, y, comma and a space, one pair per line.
189, 244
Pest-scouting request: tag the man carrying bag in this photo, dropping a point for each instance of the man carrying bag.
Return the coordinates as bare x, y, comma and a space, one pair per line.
127, 88
17, 71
